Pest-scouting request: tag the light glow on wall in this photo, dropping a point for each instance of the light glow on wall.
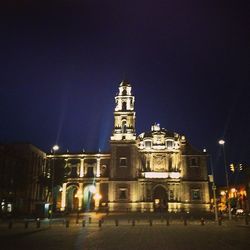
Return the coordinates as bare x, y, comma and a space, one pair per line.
156, 175
172, 175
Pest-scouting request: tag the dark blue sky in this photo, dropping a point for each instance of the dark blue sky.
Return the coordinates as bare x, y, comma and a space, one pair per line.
188, 63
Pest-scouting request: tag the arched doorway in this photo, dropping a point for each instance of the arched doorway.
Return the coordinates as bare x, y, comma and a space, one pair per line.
160, 199
88, 194
72, 199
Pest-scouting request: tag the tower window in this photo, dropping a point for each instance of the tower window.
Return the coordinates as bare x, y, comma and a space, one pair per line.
169, 144
124, 127
148, 144
123, 162
124, 106
124, 92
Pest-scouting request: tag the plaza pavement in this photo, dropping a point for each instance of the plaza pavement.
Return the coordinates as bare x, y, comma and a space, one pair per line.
140, 235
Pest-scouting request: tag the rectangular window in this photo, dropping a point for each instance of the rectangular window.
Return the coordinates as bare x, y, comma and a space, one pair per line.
123, 162
123, 193
196, 194
90, 172
171, 195
193, 162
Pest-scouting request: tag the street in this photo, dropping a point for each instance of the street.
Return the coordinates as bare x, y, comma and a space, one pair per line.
126, 235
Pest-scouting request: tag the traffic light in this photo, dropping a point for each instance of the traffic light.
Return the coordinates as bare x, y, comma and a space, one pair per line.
232, 169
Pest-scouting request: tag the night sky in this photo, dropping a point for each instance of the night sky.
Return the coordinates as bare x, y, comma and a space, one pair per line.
187, 61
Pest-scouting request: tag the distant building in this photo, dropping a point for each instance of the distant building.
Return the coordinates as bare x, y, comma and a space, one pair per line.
23, 180
155, 171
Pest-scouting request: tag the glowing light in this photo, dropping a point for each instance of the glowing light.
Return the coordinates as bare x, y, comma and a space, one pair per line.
221, 142
55, 148
156, 175
97, 196
233, 190
174, 175
92, 189
78, 194
223, 193
157, 201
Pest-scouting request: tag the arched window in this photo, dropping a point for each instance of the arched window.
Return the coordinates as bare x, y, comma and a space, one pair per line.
124, 92
124, 127
124, 106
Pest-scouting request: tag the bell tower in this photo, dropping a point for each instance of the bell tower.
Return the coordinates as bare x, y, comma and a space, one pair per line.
124, 114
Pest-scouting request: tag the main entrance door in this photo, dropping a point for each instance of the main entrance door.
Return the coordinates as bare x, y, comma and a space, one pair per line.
160, 199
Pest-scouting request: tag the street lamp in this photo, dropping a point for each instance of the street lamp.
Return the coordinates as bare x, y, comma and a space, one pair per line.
222, 143
54, 149
213, 186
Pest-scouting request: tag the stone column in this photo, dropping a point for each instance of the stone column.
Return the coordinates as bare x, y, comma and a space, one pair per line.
78, 169
151, 162
166, 160
80, 196
97, 196
82, 167
63, 200
98, 167
145, 191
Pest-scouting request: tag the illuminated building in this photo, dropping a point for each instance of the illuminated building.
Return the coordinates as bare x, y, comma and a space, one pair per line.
237, 197
155, 171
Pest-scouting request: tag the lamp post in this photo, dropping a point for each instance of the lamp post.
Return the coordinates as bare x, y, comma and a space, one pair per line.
54, 149
222, 143
213, 186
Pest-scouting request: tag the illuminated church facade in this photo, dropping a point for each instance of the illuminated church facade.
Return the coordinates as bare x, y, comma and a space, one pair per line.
155, 171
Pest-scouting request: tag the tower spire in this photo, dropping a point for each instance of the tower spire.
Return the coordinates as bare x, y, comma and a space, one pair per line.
124, 114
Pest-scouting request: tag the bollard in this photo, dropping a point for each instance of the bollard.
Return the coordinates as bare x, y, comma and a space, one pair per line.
219, 221
116, 223
246, 219
133, 222
162, 220
67, 223
83, 223
10, 224
77, 218
202, 221
150, 223
38, 223
167, 221
100, 223
90, 220
26, 224
185, 221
